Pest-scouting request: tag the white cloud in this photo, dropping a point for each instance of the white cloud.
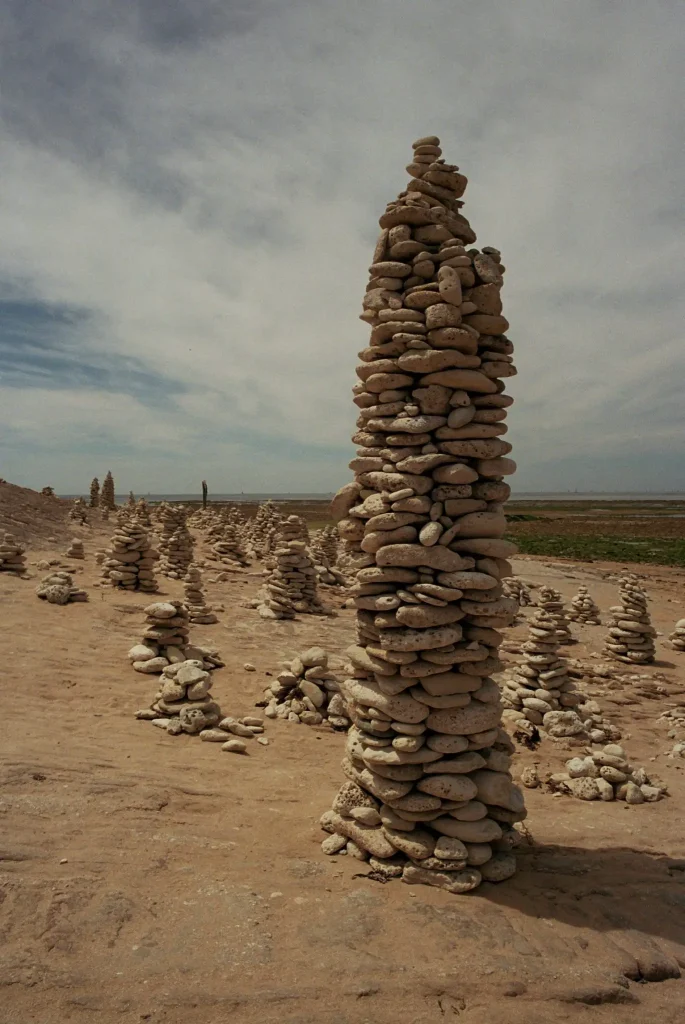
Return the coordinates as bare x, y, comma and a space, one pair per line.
214, 205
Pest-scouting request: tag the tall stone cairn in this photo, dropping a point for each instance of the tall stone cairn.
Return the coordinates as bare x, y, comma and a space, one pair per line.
429, 795
94, 492
107, 499
551, 602
12, 556
143, 512
583, 608
227, 548
291, 584
130, 559
78, 513
194, 598
631, 634
175, 543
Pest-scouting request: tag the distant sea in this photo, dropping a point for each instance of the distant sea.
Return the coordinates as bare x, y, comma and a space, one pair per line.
312, 496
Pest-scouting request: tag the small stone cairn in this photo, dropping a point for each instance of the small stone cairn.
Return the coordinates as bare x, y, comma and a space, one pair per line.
306, 691
291, 584
78, 513
551, 602
198, 610
165, 637
130, 559
58, 588
429, 795
94, 492
12, 556
605, 775
584, 609
176, 541
517, 589
631, 634
75, 549
326, 573
227, 548
260, 532
677, 637
143, 513
107, 498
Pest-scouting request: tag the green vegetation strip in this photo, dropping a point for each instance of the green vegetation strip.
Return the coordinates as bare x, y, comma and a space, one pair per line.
654, 550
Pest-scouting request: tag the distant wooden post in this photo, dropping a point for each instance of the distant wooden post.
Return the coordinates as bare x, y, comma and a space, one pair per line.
204, 494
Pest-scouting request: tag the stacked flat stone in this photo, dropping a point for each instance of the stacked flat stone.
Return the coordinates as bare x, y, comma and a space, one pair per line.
130, 559
107, 498
260, 532
329, 543
198, 610
583, 608
58, 588
175, 543
165, 638
227, 548
183, 703
77, 513
94, 492
290, 586
631, 634
541, 683
677, 637
12, 555
606, 775
551, 602
519, 590
430, 794
143, 512
326, 573
306, 691
75, 549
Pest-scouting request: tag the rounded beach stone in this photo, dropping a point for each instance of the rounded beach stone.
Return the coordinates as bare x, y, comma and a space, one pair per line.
235, 747
500, 867
453, 881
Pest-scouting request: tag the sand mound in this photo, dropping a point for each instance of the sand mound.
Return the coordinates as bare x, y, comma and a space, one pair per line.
29, 514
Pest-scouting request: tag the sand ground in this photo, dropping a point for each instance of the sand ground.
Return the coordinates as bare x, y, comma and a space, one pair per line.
152, 878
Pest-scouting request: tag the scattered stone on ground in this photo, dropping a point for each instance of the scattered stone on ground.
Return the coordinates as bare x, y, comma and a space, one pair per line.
631, 634
605, 775
308, 691
429, 791
583, 608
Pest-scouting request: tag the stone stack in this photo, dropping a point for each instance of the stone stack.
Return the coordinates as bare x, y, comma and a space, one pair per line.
584, 609
77, 513
430, 794
131, 500
198, 610
519, 590
306, 691
175, 543
58, 588
94, 492
326, 573
677, 637
552, 603
291, 584
227, 548
631, 634
183, 703
165, 638
260, 532
130, 559
107, 498
12, 557
143, 513
75, 549
606, 775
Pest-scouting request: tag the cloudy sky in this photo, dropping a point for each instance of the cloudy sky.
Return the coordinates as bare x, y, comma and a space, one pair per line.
189, 197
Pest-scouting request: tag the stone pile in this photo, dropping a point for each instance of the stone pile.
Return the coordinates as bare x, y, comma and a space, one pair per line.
75, 549
584, 609
677, 637
605, 775
130, 559
175, 543
107, 498
165, 637
326, 573
143, 513
552, 603
227, 548
198, 610
519, 590
290, 586
430, 795
260, 532
77, 513
94, 492
631, 634
58, 588
12, 556
307, 691
131, 500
